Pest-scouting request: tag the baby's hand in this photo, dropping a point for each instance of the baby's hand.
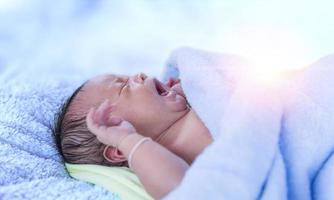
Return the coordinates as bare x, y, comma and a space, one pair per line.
109, 130
175, 84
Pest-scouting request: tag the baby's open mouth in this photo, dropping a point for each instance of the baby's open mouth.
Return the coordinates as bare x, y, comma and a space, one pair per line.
160, 87
170, 94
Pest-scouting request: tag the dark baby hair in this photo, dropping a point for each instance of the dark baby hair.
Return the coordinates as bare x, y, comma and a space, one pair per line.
75, 143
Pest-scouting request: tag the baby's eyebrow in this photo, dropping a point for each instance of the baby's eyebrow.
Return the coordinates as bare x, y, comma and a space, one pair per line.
112, 79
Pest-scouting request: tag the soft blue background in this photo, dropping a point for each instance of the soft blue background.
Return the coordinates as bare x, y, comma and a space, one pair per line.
132, 36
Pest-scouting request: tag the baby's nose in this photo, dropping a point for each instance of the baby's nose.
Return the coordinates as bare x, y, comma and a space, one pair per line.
140, 78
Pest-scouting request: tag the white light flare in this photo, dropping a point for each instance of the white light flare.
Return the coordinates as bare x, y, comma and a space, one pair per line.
271, 51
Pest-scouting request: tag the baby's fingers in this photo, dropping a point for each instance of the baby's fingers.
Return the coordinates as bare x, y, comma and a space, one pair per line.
114, 121
90, 121
103, 112
172, 81
92, 125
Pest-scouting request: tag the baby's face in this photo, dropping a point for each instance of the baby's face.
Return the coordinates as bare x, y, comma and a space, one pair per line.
148, 104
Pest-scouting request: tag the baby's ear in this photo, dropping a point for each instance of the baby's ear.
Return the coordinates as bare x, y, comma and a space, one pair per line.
113, 155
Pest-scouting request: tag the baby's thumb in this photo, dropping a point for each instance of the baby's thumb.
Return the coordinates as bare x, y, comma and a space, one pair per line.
114, 121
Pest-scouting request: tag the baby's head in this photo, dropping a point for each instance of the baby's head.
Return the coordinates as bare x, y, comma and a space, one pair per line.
143, 101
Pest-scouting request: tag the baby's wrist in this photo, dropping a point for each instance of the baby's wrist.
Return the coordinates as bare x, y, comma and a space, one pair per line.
128, 143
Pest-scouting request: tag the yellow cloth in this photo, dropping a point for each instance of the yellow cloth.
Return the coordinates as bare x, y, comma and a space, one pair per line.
120, 180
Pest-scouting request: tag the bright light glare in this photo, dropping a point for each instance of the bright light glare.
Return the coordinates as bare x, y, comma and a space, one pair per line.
265, 75
10, 5
270, 50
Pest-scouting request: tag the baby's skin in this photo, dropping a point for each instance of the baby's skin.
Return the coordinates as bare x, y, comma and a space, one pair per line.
159, 170
162, 161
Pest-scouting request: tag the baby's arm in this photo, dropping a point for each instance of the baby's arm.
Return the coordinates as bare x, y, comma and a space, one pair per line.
159, 170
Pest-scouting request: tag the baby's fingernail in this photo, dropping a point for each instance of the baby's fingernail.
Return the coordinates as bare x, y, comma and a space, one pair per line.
112, 107
115, 120
90, 111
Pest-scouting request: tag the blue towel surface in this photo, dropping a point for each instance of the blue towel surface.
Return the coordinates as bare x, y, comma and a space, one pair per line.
30, 166
264, 148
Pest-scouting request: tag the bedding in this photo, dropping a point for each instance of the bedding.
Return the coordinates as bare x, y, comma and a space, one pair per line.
120, 180
269, 144
30, 166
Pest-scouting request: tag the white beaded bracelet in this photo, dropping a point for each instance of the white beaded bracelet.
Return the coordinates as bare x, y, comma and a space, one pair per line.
134, 148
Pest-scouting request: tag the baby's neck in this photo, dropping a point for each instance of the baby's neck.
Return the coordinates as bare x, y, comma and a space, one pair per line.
187, 137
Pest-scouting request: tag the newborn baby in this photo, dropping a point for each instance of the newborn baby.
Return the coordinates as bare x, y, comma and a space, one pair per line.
134, 121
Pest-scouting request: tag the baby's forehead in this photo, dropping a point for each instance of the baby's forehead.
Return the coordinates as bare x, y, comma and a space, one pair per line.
106, 78
102, 78
95, 91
